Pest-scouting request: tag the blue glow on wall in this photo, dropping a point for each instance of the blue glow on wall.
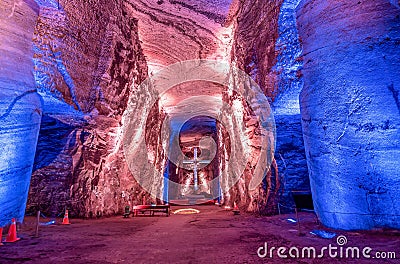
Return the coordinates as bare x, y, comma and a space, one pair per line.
20, 112
350, 111
19, 129
288, 63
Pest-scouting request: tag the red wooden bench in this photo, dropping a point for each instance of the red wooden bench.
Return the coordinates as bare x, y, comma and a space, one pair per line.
152, 209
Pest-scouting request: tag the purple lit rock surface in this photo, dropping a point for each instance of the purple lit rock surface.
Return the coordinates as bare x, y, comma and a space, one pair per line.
20, 107
88, 63
267, 47
351, 111
290, 154
89, 58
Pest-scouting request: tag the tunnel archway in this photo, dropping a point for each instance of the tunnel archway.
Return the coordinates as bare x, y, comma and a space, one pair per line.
199, 180
240, 107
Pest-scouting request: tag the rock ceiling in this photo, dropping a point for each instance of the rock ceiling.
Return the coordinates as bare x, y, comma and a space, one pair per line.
173, 31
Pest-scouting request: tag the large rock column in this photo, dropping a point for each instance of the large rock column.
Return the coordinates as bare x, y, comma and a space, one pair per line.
350, 109
20, 107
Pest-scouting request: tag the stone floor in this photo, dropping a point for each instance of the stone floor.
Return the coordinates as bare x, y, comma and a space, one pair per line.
212, 236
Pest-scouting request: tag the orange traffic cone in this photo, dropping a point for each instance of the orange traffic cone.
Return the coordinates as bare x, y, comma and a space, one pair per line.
1, 236
66, 219
12, 232
235, 209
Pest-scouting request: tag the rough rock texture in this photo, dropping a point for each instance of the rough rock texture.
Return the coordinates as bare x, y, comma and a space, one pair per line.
173, 31
253, 51
291, 159
88, 64
256, 33
350, 110
20, 107
266, 46
192, 30
87, 59
289, 154
100, 38
288, 62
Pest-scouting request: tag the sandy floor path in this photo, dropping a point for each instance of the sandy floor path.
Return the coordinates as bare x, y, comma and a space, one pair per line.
213, 236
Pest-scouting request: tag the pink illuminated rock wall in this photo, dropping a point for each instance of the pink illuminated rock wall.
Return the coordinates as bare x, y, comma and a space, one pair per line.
173, 31
256, 33
87, 59
90, 56
266, 46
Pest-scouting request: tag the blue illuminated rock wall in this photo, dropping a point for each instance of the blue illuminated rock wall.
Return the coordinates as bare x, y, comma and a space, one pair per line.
20, 107
290, 154
267, 47
350, 108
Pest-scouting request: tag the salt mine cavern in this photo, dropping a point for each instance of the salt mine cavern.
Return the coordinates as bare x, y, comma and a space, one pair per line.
199, 131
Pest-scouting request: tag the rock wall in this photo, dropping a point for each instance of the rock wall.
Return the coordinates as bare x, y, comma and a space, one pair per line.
20, 107
255, 27
240, 155
290, 154
291, 159
350, 110
267, 47
88, 56
255, 36
91, 159
88, 60
174, 31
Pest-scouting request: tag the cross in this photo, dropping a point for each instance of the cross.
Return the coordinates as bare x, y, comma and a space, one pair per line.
195, 162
